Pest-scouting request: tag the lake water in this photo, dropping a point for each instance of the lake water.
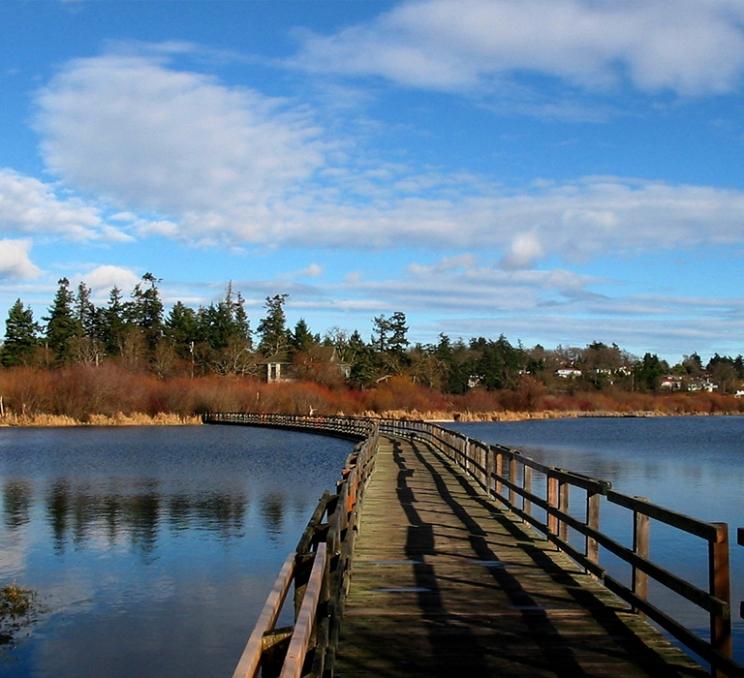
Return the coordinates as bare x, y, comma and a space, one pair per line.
694, 465
152, 549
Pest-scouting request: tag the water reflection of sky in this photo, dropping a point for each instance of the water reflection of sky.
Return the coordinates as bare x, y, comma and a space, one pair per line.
151, 548
693, 465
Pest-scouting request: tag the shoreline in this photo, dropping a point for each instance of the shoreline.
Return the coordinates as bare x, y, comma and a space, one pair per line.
11, 420
119, 419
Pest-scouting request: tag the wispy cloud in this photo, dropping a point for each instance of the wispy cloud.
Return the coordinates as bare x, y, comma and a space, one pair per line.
29, 206
212, 164
688, 47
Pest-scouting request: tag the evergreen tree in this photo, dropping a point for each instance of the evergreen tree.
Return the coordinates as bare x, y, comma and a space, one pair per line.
497, 363
85, 312
242, 325
302, 338
20, 336
62, 325
739, 366
380, 331
648, 371
363, 363
182, 328
112, 323
272, 328
146, 309
397, 341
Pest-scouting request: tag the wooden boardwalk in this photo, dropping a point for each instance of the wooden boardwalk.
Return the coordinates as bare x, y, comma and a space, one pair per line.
444, 583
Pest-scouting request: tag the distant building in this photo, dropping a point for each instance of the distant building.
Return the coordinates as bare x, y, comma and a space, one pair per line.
702, 384
568, 373
277, 371
279, 368
671, 382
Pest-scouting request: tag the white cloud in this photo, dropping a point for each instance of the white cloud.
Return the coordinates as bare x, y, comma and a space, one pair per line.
311, 271
573, 219
15, 263
28, 205
148, 137
215, 165
688, 46
162, 227
524, 250
103, 278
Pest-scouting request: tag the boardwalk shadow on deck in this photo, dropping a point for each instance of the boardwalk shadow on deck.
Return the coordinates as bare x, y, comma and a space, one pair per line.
420, 542
534, 617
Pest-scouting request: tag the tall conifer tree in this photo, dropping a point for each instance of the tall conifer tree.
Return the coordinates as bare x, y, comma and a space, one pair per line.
20, 336
62, 325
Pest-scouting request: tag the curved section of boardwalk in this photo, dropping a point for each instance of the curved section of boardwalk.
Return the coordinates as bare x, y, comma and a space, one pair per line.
445, 584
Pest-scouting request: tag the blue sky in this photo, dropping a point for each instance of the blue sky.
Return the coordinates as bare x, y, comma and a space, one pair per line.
562, 172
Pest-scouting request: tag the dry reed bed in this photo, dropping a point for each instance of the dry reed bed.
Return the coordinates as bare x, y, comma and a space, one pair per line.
434, 416
119, 419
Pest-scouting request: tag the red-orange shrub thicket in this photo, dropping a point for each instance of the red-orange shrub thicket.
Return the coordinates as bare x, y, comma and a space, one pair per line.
80, 391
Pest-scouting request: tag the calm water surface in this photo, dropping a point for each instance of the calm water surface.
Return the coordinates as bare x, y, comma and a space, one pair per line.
694, 465
152, 549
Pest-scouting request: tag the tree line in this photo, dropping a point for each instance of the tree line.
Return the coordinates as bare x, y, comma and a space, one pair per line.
136, 333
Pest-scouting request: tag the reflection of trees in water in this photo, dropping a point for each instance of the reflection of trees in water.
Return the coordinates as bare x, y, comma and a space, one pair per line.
58, 502
16, 503
216, 511
78, 513
272, 513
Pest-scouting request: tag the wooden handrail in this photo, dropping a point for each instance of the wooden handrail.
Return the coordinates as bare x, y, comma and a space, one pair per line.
251, 657
507, 475
303, 627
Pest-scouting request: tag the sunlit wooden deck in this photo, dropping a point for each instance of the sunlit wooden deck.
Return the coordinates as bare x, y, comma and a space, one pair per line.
444, 583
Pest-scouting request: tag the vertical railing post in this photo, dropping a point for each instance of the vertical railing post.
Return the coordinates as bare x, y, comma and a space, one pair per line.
483, 457
512, 480
499, 472
490, 470
720, 587
591, 547
527, 485
640, 548
563, 490
552, 499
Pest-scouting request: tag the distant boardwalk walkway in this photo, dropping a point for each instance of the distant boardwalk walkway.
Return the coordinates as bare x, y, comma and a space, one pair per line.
445, 584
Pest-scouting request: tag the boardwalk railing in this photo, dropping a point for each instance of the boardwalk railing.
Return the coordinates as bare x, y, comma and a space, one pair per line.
319, 567
508, 476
